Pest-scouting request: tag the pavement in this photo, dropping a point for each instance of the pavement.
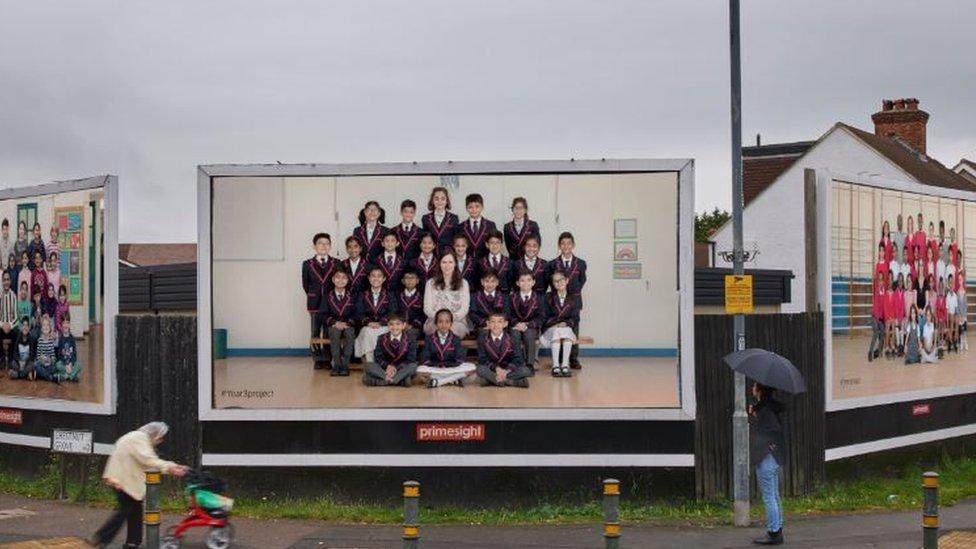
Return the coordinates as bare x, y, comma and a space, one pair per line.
23, 519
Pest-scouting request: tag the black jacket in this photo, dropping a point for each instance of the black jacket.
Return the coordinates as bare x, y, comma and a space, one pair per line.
766, 432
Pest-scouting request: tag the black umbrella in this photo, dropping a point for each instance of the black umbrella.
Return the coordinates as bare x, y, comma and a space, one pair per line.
768, 369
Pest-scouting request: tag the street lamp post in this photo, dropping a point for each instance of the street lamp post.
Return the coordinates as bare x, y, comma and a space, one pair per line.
740, 421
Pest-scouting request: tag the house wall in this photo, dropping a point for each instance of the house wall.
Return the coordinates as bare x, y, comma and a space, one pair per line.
773, 222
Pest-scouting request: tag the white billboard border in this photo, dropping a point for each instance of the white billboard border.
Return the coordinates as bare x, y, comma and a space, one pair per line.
110, 251
683, 168
825, 181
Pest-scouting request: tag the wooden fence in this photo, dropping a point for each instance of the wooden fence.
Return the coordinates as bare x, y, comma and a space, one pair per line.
798, 337
157, 379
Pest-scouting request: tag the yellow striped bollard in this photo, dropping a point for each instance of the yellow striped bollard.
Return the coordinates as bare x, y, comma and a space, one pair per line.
151, 516
611, 513
930, 510
411, 507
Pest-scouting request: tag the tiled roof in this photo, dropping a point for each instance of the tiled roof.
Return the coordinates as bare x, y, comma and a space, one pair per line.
923, 168
761, 165
146, 255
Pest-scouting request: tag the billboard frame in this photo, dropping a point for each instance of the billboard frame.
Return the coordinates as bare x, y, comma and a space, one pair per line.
684, 170
825, 180
110, 304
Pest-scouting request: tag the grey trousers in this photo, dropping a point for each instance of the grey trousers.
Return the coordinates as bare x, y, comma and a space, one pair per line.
529, 342
374, 374
342, 342
486, 373
877, 336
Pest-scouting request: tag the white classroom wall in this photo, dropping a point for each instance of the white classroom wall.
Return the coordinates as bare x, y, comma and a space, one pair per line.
262, 305
46, 205
773, 221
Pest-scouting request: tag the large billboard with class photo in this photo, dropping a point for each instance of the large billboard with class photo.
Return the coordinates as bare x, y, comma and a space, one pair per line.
900, 270
57, 300
432, 291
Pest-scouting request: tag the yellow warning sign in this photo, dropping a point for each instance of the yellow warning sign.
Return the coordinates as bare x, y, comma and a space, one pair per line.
738, 294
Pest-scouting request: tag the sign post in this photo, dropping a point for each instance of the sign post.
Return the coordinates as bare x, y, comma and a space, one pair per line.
72, 441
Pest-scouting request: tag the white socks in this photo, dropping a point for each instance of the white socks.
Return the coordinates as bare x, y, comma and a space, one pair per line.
369, 356
567, 349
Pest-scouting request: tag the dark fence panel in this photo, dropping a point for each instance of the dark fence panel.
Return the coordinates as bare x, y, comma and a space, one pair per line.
159, 288
798, 337
769, 287
157, 379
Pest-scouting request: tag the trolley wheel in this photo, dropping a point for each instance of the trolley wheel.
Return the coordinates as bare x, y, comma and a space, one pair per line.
220, 538
170, 542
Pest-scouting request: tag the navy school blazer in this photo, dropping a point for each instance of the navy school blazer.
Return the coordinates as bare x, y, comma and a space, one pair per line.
400, 354
575, 274
505, 354
444, 233
374, 247
339, 310
317, 281
442, 356
531, 311
393, 272
482, 306
358, 281
515, 240
568, 312
539, 272
479, 238
408, 241
422, 272
367, 311
411, 308
503, 271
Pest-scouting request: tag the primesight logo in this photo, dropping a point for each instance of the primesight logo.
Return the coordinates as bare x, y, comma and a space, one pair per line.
436, 432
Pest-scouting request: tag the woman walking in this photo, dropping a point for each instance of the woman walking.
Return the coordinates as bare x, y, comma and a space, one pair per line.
125, 472
767, 453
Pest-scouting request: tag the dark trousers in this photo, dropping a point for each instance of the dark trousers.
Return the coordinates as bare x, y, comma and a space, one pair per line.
375, 375
486, 373
529, 342
342, 342
319, 353
7, 343
129, 513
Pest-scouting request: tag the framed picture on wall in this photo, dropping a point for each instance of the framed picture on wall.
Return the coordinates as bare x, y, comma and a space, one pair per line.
625, 228
625, 250
626, 271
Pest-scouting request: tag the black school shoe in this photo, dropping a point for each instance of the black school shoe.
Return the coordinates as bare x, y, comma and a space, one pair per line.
771, 538
575, 365
524, 383
322, 365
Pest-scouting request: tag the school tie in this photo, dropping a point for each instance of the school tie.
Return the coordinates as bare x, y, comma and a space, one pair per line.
389, 261
474, 226
494, 262
566, 264
322, 262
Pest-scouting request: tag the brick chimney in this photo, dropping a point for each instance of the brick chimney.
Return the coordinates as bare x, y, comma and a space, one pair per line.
902, 118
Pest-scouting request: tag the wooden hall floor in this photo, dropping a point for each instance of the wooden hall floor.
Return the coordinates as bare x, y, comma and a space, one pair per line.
291, 382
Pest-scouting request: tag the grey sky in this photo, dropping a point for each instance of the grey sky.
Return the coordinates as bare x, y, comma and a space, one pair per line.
148, 90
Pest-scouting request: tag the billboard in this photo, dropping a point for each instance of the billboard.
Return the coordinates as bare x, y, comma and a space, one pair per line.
900, 257
57, 300
273, 238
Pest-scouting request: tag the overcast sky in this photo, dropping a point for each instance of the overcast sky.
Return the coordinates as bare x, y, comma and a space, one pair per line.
148, 90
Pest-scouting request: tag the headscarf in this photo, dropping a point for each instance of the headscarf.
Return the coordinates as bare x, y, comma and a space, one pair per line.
155, 430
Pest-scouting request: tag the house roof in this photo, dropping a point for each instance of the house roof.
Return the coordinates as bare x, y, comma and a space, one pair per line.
923, 168
147, 255
761, 165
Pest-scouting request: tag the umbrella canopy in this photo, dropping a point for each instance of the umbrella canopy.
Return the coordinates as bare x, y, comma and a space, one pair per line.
767, 368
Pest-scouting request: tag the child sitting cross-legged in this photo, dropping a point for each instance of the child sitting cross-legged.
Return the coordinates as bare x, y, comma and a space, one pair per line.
22, 365
443, 357
67, 367
500, 360
395, 357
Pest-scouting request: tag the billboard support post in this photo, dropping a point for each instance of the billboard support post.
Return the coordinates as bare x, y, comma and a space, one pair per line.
740, 421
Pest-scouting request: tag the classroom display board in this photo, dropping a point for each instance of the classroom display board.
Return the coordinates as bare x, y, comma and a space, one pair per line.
900, 272
71, 239
46, 269
630, 307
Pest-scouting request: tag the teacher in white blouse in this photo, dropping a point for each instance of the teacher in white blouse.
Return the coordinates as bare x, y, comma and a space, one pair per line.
447, 290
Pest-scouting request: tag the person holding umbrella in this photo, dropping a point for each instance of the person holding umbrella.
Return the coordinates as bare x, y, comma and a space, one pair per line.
766, 451
767, 443
125, 472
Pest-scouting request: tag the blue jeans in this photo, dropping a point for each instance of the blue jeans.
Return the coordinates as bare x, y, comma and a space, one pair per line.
767, 477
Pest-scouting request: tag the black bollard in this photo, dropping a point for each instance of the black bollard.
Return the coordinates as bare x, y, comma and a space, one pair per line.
151, 516
930, 510
611, 513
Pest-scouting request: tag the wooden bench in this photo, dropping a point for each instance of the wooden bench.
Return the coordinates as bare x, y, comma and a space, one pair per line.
468, 342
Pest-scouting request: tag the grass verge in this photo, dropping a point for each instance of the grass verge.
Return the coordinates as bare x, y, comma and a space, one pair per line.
897, 487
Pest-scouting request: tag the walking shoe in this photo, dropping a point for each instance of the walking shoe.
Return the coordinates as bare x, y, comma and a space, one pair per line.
771, 538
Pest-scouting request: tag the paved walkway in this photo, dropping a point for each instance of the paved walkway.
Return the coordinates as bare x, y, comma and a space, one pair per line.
23, 519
